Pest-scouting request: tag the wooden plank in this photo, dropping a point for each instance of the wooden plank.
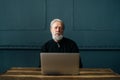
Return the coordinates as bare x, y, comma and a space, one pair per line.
18, 72
25, 68
37, 77
81, 69
37, 71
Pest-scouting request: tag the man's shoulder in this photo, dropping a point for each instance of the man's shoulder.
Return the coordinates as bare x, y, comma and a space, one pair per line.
49, 41
72, 44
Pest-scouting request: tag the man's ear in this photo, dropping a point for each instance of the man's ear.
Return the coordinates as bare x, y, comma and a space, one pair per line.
50, 29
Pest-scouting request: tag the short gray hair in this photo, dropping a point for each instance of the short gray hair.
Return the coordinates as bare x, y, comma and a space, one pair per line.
57, 20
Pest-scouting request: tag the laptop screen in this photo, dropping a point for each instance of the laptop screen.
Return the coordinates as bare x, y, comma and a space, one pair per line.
59, 63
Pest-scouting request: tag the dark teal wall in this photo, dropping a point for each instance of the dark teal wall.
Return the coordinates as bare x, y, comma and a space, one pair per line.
93, 24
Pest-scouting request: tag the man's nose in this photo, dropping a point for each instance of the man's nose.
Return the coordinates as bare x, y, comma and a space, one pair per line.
58, 29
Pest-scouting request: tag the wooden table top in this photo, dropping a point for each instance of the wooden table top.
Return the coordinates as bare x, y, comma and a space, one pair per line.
19, 73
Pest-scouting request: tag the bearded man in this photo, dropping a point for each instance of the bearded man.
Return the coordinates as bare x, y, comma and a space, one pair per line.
58, 43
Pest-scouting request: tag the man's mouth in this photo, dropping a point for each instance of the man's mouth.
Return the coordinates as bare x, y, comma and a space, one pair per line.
57, 34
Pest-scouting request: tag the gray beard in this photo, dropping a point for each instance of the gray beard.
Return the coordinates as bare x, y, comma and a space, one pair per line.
57, 38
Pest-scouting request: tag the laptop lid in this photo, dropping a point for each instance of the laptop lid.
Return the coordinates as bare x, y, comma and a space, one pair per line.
59, 63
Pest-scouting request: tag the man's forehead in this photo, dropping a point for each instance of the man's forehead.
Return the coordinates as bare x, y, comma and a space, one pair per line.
59, 24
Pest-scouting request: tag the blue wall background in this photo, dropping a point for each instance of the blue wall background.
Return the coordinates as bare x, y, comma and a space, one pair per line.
93, 24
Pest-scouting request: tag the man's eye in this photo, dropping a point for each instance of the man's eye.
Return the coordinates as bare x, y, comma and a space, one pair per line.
55, 27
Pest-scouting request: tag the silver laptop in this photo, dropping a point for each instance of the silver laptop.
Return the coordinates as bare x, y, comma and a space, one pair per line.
59, 63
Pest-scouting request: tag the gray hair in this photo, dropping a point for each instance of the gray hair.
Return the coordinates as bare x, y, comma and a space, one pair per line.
57, 20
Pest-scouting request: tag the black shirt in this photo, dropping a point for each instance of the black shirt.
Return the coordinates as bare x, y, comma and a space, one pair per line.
65, 45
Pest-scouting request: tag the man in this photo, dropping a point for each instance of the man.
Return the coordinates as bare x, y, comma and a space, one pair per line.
58, 43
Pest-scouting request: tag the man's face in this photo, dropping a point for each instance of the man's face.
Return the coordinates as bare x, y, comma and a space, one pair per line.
57, 30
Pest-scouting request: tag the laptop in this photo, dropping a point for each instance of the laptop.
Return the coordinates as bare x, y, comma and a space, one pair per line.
59, 63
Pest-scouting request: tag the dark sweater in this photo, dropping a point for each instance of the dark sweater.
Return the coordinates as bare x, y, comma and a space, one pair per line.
64, 46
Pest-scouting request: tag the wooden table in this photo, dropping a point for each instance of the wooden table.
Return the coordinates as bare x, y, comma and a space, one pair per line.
35, 74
